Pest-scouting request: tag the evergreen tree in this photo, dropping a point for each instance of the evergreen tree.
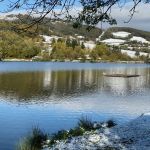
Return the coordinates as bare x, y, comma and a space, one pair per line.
82, 45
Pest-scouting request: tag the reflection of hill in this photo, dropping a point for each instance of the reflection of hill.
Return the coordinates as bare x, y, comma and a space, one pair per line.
55, 85
28, 85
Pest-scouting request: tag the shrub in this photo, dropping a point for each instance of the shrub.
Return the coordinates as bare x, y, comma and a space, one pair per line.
33, 141
111, 123
85, 123
76, 132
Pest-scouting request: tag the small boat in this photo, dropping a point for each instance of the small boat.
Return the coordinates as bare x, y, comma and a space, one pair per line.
121, 75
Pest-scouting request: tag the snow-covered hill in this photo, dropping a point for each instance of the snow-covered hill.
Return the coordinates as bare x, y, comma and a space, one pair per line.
128, 43
139, 39
121, 34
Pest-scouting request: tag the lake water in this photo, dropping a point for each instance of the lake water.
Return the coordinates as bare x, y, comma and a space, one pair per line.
53, 96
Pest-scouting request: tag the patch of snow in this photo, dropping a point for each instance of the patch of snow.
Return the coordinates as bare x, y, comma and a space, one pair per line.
121, 34
94, 138
139, 39
80, 37
8, 18
48, 39
143, 54
132, 53
130, 136
115, 42
89, 45
129, 53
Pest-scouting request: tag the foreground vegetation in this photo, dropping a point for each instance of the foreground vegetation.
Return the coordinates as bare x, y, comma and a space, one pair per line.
37, 139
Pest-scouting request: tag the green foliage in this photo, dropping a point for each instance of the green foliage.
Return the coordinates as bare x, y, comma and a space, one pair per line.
72, 43
111, 123
13, 45
85, 123
67, 50
82, 45
63, 134
103, 52
137, 53
77, 131
60, 135
33, 141
62, 28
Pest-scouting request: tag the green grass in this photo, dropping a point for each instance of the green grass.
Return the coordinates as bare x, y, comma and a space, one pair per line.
78, 131
33, 141
85, 123
37, 137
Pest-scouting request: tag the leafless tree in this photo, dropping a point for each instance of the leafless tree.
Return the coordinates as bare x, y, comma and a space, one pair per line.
91, 12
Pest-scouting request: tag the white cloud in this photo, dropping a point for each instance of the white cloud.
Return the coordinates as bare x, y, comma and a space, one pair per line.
140, 20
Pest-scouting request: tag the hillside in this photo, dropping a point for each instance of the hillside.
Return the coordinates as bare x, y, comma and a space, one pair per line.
73, 43
129, 41
134, 32
66, 29
56, 27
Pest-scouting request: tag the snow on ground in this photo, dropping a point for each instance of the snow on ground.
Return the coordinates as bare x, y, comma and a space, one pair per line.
89, 45
7, 18
121, 34
139, 39
115, 42
80, 37
132, 53
129, 53
134, 135
48, 39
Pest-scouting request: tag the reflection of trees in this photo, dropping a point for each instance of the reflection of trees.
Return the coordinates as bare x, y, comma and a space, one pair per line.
73, 82
127, 86
28, 85
59, 84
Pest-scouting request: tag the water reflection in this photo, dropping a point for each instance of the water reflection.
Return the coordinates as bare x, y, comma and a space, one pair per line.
43, 86
27, 85
128, 86
55, 95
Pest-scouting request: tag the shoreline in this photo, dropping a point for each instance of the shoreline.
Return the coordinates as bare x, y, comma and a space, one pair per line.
74, 61
133, 135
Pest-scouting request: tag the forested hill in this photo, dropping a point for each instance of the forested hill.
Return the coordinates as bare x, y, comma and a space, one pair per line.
53, 27
66, 29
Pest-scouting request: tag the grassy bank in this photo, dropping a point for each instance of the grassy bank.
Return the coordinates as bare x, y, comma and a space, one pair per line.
37, 139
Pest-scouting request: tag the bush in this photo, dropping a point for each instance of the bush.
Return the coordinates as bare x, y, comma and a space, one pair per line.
111, 123
85, 123
76, 132
33, 141
60, 135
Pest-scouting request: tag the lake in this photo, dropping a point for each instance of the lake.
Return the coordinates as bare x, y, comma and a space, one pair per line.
54, 96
